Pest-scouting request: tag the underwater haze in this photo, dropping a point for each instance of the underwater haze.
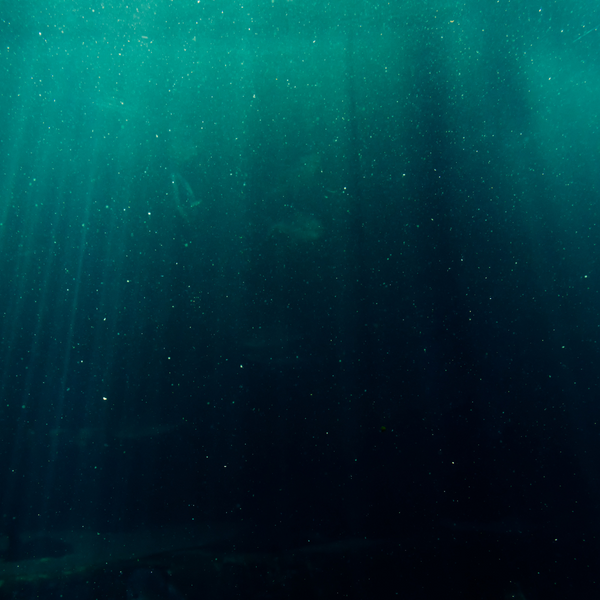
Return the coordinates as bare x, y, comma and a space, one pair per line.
299, 299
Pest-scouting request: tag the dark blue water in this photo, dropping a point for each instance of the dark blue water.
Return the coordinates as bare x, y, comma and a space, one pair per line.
300, 300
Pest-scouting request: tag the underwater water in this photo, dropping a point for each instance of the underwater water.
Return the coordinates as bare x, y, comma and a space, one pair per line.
299, 300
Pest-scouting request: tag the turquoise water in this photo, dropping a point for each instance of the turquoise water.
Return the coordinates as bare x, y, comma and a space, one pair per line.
278, 272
